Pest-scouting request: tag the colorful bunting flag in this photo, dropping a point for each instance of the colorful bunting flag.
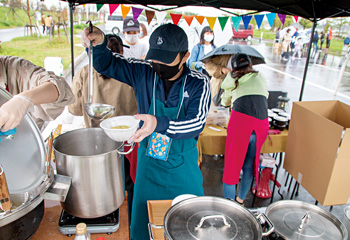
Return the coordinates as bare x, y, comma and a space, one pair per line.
84, 5
259, 18
200, 19
282, 17
211, 21
188, 19
271, 18
125, 10
136, 12
246, 20
235, 22
296, 18
160, 16
112, 8
223, 21
98, 6
149, 15
175, 17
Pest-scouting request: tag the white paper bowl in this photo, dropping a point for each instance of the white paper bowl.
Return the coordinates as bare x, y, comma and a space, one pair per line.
120, 135
181, 198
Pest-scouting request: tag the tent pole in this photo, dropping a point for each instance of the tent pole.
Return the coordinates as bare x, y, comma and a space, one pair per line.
307, 59
71, 9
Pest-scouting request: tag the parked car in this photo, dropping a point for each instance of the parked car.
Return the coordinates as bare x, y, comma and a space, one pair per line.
243, 33
114, 23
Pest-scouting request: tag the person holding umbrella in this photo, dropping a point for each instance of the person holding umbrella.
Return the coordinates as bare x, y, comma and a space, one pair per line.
245, 90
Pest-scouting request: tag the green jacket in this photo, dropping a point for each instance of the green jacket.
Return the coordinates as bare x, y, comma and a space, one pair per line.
249, 84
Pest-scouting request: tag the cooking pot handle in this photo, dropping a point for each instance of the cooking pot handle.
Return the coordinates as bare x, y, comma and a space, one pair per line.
132, 145
150, 226
265, 219
209, 217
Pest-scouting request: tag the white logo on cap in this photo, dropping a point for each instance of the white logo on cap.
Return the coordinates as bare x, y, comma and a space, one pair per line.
130, 23
160, 41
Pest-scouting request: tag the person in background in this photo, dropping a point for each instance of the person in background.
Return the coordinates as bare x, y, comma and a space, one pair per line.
112, 92
287, 38
36, 90
321, 39
314, 44
329, 37
131, 30
143, 35
245, 90
43, 23
205, 45
298, 47
217, 68
277, 38
346, 45
173, 103
48, 24
294, 39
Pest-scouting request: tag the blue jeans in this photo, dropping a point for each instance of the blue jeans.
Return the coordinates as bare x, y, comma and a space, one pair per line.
230, 190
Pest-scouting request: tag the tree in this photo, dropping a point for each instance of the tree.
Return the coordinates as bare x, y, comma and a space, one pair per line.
305, 23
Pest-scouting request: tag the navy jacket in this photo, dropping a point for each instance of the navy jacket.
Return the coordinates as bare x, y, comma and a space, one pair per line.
140, 75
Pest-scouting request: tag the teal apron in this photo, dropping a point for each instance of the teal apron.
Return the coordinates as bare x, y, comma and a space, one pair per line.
164, 180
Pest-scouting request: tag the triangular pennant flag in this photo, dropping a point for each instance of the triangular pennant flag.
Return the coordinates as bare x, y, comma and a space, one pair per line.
175, 17
136, 12
84, 5
200, 19
223, 21
188, 19
211, 21
160, 17
296, 18
259, 18
125, 10
236, 21
98, 6
112, 8
149, 15
246, 20
271, 18
282, 17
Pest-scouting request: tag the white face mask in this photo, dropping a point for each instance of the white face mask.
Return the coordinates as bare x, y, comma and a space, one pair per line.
131, 38
208, 38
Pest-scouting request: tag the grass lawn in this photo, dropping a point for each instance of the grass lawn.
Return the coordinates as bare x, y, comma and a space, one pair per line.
9, 19
36, 49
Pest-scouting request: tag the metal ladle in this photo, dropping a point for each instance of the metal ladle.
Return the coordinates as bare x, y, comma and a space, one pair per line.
97, 111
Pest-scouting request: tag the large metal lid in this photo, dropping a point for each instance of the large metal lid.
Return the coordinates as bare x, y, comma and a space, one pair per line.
299, 220
22, 155
210, 218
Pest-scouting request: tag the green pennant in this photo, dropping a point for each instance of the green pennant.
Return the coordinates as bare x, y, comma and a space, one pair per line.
98, 6
223, 21
235, 22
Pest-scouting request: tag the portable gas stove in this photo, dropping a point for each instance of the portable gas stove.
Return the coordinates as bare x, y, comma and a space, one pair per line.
106, 224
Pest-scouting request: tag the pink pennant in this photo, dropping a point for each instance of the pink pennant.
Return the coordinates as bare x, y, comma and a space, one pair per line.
296, 18
136, 12
112, 8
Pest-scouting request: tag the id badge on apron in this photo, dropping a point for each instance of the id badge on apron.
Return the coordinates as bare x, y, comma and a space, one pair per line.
158, 146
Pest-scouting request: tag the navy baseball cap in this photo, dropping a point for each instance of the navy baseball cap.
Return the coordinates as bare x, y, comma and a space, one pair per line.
239, 61
166, 42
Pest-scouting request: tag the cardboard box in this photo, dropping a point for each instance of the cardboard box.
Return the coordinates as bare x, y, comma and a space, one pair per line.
218, 115
318, 150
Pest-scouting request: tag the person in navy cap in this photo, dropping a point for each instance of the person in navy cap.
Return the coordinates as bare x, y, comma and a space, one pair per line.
173, 102
131, 30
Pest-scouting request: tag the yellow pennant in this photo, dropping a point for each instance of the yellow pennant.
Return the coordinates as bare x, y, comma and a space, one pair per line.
211, 21
125, 10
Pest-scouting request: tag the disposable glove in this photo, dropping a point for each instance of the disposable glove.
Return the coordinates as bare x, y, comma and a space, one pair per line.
13, 111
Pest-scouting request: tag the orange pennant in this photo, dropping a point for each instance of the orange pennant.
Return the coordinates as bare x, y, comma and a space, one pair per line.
200, 19
125, 10
211, 21
188, 19
175, 17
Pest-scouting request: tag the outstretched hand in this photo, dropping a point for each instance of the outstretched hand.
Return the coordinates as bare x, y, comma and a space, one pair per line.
149, 125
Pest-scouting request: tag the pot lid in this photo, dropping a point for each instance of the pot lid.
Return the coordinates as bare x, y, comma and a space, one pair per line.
208, 218
22, 154
280, 118
303, 221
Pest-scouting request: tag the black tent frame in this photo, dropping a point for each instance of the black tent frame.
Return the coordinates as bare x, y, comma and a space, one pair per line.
313, 10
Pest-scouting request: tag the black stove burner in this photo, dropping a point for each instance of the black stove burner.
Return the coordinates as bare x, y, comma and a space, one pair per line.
67, 220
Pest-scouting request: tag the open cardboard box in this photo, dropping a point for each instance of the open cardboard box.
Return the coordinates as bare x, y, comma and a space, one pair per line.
318, 150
